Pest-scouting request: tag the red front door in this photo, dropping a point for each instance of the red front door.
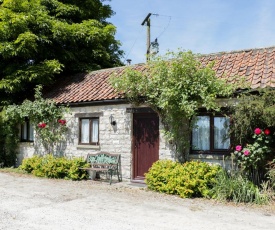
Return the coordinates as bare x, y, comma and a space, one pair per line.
145, 143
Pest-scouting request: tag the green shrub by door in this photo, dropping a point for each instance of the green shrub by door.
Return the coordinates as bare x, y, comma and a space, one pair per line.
191, 179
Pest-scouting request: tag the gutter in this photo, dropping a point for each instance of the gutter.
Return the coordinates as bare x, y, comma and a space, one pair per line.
89, 103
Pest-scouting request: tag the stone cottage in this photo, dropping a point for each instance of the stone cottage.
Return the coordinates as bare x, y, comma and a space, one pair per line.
102, 120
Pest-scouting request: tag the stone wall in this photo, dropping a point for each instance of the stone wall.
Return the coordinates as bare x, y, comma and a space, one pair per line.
26, 149
113, 139
223, 160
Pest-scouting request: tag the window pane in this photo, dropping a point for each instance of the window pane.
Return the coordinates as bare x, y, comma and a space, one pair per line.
85, 131
25, 131
201, 134
95, 130
30, 132
221, 129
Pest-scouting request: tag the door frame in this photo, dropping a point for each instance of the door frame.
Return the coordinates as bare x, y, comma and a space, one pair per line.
135, 112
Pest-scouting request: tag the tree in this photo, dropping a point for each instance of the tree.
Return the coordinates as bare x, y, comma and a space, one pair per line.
41, 40
175, 86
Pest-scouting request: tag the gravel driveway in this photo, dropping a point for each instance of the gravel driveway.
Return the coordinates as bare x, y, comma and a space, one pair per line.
32, 203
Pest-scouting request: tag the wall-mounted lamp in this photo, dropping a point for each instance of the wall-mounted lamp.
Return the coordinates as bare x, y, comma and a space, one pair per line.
112, 120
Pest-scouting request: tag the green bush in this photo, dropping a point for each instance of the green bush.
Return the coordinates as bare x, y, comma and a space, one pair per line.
73, 172
30, 164
162, 176
191, 179
53, 167
236, 187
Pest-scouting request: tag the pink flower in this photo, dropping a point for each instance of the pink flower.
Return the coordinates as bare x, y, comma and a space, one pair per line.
267, 132
238, 148
246, 152
62, 122
42, 125
257, 131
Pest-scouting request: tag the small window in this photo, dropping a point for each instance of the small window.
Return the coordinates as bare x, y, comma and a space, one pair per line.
89, 131
27, 131
211, 134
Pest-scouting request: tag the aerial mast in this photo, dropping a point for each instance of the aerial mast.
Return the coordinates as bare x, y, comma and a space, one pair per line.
148, 43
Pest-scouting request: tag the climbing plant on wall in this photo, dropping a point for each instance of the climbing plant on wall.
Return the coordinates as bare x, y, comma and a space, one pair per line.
175, 86
47, 119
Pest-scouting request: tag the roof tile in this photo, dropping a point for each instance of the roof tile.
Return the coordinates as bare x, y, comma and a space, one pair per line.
256, 65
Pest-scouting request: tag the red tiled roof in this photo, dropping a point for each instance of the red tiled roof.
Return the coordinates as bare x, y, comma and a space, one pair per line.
86, 87
257, 66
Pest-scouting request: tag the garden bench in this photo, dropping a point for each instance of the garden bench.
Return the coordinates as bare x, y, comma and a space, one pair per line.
105, 162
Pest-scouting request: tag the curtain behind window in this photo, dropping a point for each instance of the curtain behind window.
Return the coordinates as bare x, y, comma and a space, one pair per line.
25, 131
221, 129
95, 131
85, 127
201, 134
31, 131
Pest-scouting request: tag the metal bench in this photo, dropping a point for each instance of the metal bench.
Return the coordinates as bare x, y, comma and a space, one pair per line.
105, 162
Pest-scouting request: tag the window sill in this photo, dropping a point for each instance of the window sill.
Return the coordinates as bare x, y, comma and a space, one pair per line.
97, 147
26, 143
212, 156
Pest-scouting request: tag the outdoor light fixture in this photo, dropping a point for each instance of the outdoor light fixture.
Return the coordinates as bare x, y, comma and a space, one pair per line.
112, 120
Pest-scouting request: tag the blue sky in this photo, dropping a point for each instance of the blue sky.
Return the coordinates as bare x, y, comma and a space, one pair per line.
202, 26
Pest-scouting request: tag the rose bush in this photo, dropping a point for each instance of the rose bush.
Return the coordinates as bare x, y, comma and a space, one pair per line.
254, 154
48, 122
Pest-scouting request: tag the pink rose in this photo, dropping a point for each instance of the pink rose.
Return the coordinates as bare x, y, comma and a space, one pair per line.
238, 148
246, 152
257, 131
267, 132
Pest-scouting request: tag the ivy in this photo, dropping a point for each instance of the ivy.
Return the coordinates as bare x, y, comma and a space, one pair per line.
175, 85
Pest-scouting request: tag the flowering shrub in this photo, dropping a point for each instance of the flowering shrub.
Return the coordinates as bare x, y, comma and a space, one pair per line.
48, 119
50, 134
254, 154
